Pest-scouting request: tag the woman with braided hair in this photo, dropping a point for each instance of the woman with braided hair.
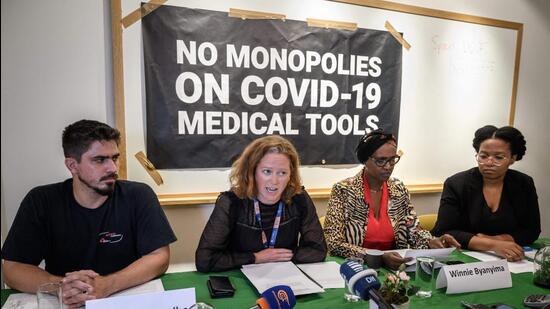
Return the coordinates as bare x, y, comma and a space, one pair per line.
373, 210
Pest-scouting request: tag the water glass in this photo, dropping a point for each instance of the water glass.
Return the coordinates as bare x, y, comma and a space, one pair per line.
49, 296
425, 276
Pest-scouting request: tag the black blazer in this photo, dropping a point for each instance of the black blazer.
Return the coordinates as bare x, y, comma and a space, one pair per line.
462, 202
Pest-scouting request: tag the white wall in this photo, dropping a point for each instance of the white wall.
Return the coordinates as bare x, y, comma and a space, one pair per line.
54, 72
56, 69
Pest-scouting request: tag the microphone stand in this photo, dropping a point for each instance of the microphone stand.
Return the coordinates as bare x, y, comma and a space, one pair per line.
379, 300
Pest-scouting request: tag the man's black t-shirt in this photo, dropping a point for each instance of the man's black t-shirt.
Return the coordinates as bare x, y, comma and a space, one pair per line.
50, 225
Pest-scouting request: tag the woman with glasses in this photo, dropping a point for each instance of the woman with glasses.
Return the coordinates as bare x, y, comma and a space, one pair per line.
491, 207
372, 210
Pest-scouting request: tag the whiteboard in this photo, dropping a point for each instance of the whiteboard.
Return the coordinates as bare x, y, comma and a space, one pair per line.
458, 76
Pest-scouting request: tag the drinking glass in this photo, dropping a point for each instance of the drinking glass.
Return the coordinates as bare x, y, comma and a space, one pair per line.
425, 276
48, 296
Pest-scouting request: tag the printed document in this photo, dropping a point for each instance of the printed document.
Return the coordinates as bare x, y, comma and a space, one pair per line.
267, 275
326, 274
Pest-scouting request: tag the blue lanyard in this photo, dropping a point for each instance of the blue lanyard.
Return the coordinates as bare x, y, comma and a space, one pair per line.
276, 223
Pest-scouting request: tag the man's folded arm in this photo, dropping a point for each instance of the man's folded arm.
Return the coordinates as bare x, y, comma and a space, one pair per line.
140, 271
26, 277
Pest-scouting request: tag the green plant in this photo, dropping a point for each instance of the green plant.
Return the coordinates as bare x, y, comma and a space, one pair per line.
394, 288
541, 275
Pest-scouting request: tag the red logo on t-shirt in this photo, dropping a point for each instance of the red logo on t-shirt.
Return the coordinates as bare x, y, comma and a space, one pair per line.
109, 237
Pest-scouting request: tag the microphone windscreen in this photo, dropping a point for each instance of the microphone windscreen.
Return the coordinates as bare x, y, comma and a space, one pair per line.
359, 280
280, 296
362, 286
349, 269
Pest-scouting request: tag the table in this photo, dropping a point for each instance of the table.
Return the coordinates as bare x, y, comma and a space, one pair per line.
246, 295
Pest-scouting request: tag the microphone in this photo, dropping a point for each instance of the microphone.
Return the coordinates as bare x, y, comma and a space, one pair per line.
363, 283
279, 296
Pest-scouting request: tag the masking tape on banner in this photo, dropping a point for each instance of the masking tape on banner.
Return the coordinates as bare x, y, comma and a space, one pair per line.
149, 167
321, 23
141, 12
244, 14
397, 35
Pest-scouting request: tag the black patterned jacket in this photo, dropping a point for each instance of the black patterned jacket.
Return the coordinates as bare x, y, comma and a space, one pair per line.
232, 234
347, 217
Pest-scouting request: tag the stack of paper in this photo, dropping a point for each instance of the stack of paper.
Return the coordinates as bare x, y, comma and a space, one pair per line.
267, 275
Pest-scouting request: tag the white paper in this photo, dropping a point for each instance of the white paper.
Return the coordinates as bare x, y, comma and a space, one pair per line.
523, 266
28, 301
326, 274
483, 256
183, 298
473, 277
147, 287
401, 252
435, 253
266, 275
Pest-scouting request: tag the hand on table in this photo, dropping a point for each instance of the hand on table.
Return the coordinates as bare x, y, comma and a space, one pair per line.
80, 286
273, 255
393, 259
77, 287
445, 241
508, 250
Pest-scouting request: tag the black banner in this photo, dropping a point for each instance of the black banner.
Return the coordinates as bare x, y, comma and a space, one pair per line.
214, 83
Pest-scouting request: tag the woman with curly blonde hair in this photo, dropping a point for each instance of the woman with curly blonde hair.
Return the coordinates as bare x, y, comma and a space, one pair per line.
266, 216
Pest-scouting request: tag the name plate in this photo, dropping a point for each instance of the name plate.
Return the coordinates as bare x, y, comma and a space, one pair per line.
180, 299
472, 277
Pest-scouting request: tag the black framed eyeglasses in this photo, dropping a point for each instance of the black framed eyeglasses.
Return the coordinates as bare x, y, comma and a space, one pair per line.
382, 162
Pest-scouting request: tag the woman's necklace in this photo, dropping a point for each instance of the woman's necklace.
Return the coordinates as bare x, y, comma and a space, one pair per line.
376, 191
366, 184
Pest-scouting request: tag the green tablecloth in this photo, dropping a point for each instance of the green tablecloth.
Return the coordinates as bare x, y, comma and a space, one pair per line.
246, 295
